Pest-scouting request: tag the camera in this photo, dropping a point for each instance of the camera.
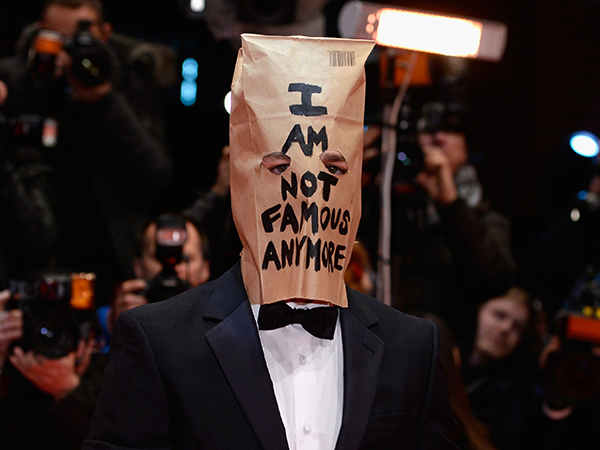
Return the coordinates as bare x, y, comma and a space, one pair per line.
441, 116
434, 116
58, 311
91, 59
171, 235
23, 130
573, 373
27, 130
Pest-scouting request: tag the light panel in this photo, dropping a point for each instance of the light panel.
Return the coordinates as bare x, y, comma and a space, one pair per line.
197, 6
423, 31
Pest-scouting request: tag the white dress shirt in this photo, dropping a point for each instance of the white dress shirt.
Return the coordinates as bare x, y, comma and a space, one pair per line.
308, 379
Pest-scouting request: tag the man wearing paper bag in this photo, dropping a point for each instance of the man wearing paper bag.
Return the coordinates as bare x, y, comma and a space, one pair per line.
278, 353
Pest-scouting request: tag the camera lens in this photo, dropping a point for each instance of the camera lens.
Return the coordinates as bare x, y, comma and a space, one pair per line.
53, 335
91, 60
90, 68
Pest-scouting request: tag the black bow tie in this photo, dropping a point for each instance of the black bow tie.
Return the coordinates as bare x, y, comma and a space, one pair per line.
320, 321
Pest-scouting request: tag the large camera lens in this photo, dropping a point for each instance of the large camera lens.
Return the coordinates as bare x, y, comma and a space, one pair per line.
90, 66
53, 335
91, 60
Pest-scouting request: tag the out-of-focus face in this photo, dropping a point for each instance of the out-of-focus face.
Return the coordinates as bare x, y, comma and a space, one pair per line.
66, 21
500, 328
193, 268
454, 145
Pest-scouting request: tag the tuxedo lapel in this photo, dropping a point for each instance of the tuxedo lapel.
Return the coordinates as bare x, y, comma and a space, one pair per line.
363, 355
237, 346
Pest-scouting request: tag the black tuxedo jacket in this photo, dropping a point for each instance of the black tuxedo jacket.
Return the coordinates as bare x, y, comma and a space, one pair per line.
189, 373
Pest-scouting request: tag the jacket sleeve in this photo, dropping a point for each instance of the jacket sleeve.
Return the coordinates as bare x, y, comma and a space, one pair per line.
132, 411
481, 244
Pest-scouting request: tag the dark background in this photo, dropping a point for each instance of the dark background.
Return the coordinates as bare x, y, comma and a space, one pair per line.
525, 106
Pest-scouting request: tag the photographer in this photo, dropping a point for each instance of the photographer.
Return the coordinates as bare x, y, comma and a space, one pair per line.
46, 402
562, 425
569, 410
111, 166
159, 276
452, 249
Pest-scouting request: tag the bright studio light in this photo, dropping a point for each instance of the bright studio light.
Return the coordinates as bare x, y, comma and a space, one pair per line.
197, 6
585, 144
408, 29
423, 31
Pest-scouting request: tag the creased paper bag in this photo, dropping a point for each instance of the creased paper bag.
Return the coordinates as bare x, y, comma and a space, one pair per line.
296, 134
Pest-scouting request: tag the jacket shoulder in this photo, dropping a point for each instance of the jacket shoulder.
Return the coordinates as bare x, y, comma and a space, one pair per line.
383, 318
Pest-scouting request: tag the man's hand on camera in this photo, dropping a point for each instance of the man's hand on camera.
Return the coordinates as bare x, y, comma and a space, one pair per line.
57, 377
437, 176
11, 326
127, 297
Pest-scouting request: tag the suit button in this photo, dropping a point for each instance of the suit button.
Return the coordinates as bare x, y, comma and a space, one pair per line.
307, 428
302, 359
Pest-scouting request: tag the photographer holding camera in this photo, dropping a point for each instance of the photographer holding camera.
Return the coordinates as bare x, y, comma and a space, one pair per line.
173, 257
569, 410
50, 371
452, 249
103, 132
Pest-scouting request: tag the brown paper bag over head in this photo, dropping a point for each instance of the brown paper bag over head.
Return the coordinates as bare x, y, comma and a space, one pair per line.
296, 133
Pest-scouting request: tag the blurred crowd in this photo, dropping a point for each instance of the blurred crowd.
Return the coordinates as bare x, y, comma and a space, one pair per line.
85, 235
